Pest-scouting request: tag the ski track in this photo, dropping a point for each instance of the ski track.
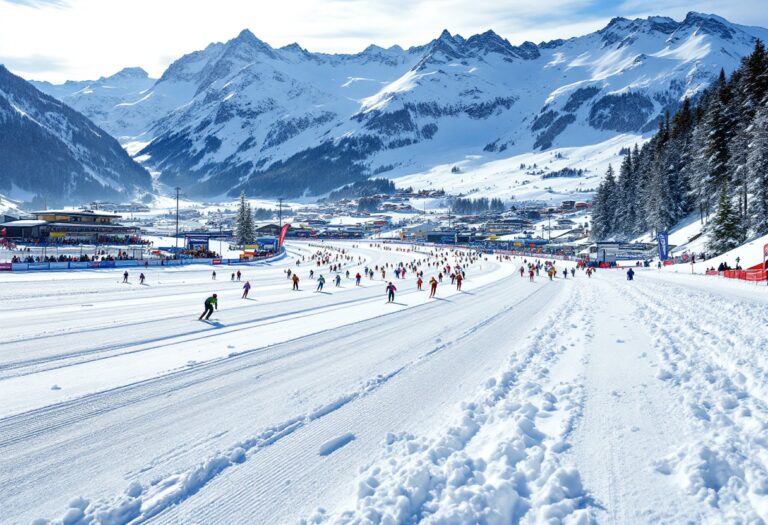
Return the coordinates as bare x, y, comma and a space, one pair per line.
713, 357
576, 401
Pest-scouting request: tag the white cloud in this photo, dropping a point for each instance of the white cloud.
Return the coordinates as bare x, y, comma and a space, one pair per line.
89, 38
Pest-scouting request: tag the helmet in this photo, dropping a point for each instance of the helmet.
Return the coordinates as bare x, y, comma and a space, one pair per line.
215, 295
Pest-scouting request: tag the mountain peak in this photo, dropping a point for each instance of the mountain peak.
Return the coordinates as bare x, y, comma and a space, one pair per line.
130, 72
247, 36
445, 36
710, 24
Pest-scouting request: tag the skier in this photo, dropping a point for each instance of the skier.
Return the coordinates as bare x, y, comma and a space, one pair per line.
419, 282
573, 272
522, 270
320, 283
233, 277
630, 274
209, 304
213, 275
391, 292
146, 264
338, 280
125, 276
295, 280
432, 287
357, 279
459, 278
246, 289
141, 278
238, 275
530, 275
311, 274
565, 273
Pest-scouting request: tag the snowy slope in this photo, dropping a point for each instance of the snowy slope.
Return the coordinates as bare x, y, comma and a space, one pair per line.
49, 150
243, 115
101, 99
568, 401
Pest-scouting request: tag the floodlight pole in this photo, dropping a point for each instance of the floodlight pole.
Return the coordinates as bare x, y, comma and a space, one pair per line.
177, 217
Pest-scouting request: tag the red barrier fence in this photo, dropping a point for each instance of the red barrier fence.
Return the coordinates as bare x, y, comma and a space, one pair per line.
743, 275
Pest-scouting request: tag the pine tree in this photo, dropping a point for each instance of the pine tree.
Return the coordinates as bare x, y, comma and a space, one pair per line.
716, 146
244, 222
724, 230
604, 209
627, 187
757, 172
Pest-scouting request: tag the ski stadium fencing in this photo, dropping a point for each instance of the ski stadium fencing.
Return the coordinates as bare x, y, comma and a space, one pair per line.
132, 263
742, 275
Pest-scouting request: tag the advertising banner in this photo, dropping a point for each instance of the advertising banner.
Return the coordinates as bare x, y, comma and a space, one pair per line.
283, 232
663, 238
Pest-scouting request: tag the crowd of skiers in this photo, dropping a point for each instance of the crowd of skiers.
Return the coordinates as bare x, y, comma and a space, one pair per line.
445, 264
442, 264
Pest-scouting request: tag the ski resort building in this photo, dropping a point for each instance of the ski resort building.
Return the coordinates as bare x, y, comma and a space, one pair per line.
70, 227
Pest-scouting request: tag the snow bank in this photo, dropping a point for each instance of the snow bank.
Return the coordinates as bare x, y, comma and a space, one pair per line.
495, 464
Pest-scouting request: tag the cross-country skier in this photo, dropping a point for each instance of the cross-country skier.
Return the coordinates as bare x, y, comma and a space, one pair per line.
459, 278
295, 280
432, 287
391, 292
357, 279
320, 283
419, 282
209, 305
630, 274
125, 276
141, 278
213, 275
338, 280
246, 289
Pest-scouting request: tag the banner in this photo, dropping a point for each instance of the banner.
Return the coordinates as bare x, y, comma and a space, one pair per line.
6, 267
663, 239
283, 231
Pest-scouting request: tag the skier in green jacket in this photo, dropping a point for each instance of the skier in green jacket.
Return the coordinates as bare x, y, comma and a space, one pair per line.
210, 303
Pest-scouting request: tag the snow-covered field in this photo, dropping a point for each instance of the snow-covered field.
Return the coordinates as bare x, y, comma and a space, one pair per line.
567, 401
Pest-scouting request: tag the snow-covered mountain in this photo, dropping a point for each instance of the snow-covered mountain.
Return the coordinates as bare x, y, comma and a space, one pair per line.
243, 115
51, 151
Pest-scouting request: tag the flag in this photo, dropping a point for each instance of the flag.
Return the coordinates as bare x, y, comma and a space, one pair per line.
283, 231
663, 238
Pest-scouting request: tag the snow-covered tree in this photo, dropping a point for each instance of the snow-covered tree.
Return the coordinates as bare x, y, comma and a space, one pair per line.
757, 172
244, 229
725, 228
604, 209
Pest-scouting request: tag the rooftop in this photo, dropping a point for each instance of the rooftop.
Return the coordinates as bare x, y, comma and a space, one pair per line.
24, 223
82, 213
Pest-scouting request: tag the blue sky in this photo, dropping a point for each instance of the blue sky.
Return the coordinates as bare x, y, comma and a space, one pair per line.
57, 40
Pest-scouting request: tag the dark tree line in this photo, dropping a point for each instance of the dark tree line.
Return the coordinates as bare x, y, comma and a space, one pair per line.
711, 157
477, 206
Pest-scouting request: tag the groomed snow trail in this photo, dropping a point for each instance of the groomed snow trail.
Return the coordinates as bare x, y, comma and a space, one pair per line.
567, 401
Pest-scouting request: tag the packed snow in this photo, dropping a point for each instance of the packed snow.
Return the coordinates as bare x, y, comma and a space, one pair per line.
570, 400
